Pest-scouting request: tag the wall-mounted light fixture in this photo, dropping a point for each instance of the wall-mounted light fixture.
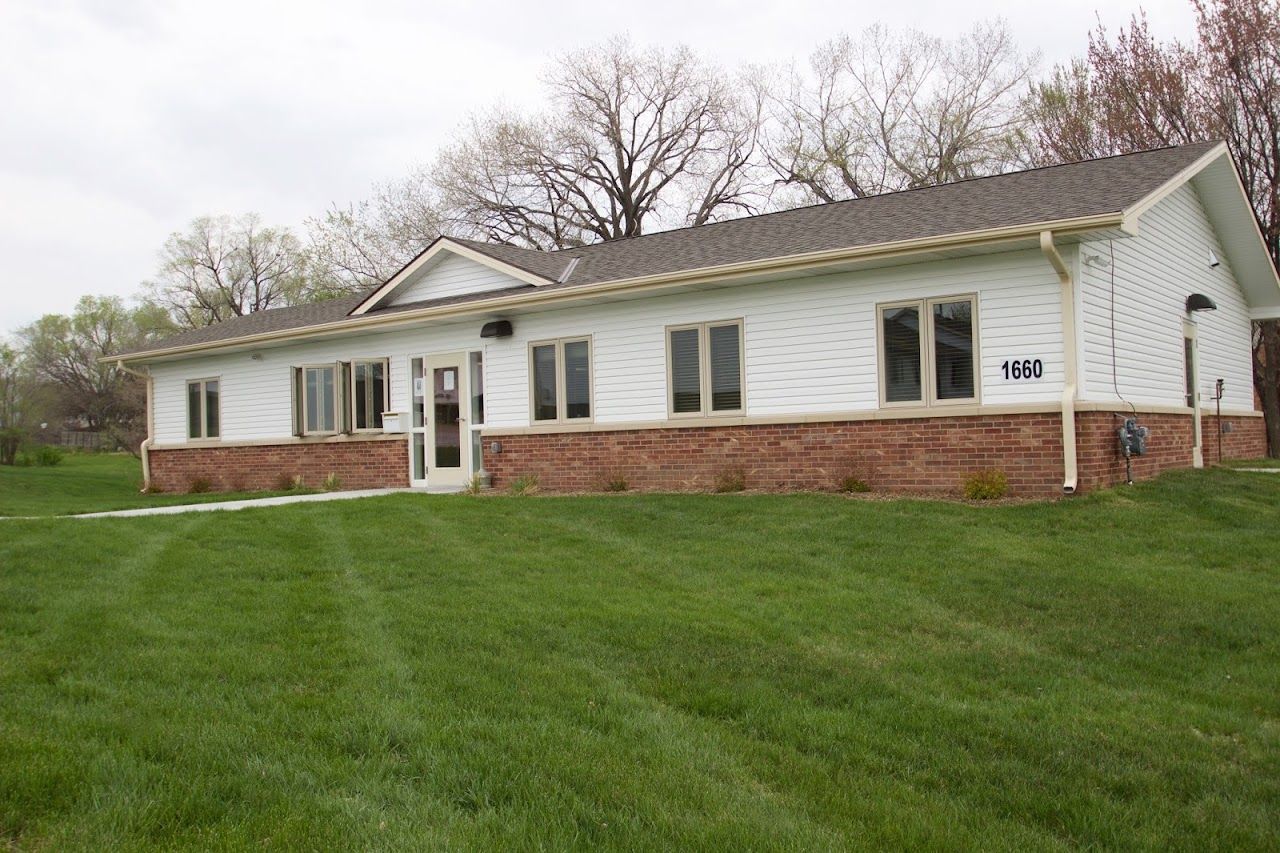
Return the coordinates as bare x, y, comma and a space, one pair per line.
496, 329
1200, 302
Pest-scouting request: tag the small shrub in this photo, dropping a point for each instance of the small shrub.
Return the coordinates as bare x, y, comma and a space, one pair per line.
287, 482
474, 485
24, 460
731, 480
986, 485
48, 456
153, 489
332, 482
199, 485
851, 484
615, 483
525, 484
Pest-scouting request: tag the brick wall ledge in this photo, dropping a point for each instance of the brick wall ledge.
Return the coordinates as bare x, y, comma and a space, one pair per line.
274, 442
1156, 409
890, 414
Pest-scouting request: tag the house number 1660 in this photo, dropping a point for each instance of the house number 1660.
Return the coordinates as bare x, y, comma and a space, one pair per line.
1027, 368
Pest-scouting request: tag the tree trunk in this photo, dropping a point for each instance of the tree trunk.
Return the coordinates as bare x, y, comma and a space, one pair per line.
1266, 372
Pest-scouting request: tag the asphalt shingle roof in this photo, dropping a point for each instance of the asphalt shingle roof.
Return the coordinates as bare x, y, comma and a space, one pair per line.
1069, 191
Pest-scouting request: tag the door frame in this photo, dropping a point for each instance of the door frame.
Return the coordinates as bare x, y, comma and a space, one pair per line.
1191, 343
447, 477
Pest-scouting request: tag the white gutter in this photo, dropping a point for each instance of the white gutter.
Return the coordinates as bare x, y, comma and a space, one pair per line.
145, 448
1070, 378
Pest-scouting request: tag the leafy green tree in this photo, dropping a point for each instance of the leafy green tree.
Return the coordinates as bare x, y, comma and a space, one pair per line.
66, 351
223, 267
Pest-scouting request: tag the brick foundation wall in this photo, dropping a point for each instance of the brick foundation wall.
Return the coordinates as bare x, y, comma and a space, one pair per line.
361, 464
910, 455
920, 454
1169, 445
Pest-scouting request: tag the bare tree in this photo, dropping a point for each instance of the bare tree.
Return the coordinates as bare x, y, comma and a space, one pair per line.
1134, 92
893, 111
224, 267
19, 404
361, 245
633, 140
1130, 94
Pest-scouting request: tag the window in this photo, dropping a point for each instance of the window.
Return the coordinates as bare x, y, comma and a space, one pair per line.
204, 412
319, 404
476, 361
560, 380
705, 369
368, 394
1189, 369
928, 352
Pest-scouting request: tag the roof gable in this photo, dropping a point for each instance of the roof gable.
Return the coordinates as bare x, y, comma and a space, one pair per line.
450, 267
1227, 205
446, 275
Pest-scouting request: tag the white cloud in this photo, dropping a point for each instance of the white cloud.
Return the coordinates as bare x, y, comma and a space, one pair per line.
120, 121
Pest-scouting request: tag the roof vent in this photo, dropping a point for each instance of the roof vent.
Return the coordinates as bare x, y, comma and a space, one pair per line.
1200, 302
496, 329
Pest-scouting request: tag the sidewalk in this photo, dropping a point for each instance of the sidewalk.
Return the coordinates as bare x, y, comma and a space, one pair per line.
216, 506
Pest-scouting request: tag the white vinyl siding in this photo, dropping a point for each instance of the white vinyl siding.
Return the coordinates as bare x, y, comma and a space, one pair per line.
452, 275
809, 348
1154, 274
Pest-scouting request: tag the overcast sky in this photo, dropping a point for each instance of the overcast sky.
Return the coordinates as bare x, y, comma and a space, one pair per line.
120, 121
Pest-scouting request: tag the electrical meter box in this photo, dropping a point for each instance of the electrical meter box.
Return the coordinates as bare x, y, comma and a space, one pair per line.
1133, 438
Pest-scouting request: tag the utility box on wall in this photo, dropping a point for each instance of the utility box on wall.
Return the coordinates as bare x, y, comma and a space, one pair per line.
393, 422
1133, 438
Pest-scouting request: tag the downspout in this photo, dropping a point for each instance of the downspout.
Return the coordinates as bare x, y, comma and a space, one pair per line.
145, 448
1070, 378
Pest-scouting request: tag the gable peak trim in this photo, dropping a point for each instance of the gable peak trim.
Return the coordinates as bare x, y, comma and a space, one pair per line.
439, 246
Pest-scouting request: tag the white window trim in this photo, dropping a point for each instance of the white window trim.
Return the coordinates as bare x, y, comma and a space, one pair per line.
337, 421
386, 392
561, 402
204, 402
704, 370
928, 366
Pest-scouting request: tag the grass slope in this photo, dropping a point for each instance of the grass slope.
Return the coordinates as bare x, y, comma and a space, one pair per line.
88, 482
650, 672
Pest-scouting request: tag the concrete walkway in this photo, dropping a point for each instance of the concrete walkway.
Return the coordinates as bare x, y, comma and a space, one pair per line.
215, 506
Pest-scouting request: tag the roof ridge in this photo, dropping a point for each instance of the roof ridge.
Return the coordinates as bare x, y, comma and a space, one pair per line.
614, 240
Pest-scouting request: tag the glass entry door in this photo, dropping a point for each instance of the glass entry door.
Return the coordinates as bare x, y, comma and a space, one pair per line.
446, 437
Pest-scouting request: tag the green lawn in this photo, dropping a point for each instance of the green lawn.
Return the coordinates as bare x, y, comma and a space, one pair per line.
714, 672
1252, 463
88, 482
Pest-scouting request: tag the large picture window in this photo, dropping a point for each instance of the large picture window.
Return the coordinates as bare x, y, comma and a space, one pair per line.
368, 394
928, 351
560, 380
204, 408
705, 369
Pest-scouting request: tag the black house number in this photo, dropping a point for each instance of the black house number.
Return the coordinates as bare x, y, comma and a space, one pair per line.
1027, 368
